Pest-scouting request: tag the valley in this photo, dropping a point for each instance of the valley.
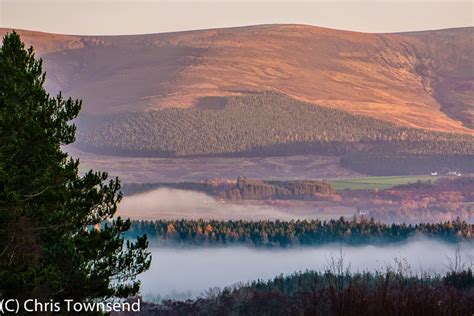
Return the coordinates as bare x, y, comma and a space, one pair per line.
420, 201
163, 281
153, 169
250, 153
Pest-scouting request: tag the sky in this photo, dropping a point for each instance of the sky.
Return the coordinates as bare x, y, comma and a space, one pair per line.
115, 17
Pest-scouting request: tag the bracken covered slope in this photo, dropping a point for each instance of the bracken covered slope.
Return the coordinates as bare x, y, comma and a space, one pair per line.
420, 79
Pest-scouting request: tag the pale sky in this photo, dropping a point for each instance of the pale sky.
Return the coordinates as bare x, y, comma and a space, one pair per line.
109, 17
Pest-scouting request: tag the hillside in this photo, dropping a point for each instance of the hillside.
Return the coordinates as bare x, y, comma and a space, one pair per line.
259, 124
270, 124
421, 79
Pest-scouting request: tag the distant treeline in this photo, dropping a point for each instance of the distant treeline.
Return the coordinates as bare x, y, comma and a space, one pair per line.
245, 189
390, 162
335, 292
464, 184
270, 124
445, 199
292, 233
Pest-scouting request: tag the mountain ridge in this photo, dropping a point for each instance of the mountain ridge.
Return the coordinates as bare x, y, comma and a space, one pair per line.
422, 79
8, 29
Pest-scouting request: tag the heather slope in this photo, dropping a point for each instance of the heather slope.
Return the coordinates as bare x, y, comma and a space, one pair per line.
421, 79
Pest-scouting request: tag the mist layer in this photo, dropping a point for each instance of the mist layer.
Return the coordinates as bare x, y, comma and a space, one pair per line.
179, 273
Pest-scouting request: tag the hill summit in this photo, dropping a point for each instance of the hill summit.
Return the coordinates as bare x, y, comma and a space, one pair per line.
420, 79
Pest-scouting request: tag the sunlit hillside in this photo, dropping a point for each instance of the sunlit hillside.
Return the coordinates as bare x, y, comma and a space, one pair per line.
421, 79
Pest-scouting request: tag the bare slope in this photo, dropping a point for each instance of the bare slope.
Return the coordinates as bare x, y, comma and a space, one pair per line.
422, 79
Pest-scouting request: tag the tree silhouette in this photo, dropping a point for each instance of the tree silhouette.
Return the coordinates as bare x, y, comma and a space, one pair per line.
58, 234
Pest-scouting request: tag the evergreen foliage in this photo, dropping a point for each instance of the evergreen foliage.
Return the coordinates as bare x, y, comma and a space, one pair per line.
335, 291
267, 233
391, 162
244, 188
51, 243
259, 124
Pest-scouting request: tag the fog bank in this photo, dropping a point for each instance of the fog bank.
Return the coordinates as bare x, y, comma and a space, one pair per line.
177, 204
193, 271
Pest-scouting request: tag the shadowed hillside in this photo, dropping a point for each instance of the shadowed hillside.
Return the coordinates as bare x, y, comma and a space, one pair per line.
269, 124
421, 79
265, 124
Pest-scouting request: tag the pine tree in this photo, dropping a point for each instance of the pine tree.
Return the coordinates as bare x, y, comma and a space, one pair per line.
58, 234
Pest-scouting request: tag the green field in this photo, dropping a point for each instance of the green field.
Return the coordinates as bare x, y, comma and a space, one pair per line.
377, 182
